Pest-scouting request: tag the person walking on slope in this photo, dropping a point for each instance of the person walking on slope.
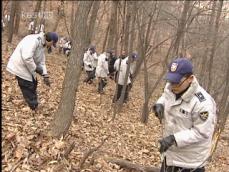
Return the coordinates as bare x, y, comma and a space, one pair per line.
102, 71
121, 67
89, 59
111, 61
28, 59
189, 115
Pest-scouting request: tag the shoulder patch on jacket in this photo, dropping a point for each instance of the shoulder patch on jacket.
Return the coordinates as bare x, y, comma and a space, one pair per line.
204, 115
200, 96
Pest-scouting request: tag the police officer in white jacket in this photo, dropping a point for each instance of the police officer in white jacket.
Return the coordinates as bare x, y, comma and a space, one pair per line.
89, 60
28, 59
102, 71
189, 115
121, 67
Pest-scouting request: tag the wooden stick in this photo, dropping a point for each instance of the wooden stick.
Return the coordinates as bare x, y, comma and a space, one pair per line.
90, 152
68, 151
129, 165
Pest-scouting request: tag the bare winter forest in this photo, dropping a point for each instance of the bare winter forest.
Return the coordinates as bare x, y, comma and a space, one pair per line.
77, 129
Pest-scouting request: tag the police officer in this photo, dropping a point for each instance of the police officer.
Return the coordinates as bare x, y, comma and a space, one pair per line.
189, 115
102, 71
28, 59
120, 67
111, 61
90, 61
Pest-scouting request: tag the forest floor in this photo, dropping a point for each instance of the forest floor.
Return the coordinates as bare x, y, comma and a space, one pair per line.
26, 145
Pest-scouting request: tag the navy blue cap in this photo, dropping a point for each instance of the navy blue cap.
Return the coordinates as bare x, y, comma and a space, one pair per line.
178, 69
134, 56
53, 37
92, 48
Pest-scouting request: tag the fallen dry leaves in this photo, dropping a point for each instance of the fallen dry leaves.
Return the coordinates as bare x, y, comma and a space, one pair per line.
27, 146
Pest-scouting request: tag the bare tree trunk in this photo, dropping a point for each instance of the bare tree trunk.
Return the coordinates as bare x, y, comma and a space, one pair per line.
12, 19
117, 31
92, 21
105, 39
127, 26
132, 32
112, 25
123, 25
203, 63
72, 16
213, 48
224, 104
17, 18
5, 7
42, 21
64, 114
145, 44
181, 28
145, 109
59, 16
36, 11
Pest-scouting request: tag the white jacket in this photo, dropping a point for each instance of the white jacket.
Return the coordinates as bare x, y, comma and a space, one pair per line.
122, 71
89, 59
67, 45
62, 42
191, 119
102, 67
28, 54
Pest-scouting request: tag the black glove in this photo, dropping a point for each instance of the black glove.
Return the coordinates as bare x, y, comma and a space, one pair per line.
159, 111
166, 143
49, 50
39, 70
131, 76
46, 80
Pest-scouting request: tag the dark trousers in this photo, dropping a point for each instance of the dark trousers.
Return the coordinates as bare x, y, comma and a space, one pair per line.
102, 84
29, 91
165, 168
90, 76
119, 92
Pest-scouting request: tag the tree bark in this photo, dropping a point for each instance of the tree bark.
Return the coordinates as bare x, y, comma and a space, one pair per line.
123, 15
132, 31
92, 21
106, 37
117, 31
112, 25
145, 109
59, 16
204, 61
36, 11
223, 104
127, 26
213, 48
12, 19
72, 16
17, 18
63, 116
181, 28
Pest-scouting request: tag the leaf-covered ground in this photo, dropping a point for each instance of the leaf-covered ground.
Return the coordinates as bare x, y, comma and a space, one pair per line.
26, 145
